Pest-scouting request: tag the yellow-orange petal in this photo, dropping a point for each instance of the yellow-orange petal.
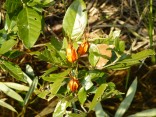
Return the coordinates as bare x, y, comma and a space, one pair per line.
82, 49
71, 53
73, 84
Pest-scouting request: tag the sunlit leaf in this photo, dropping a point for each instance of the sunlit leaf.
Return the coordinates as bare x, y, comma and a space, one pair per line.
29, 26
7, 45
82, 95
93, 59
75, 19
97, 96
87, 83
60, 108
128, 99
6, 105
17, 86
30, 71
11, 93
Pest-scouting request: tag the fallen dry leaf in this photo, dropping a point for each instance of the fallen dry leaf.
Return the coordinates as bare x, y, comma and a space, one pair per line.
103, 50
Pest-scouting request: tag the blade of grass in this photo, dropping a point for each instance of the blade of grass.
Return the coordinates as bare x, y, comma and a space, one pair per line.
31, 90
127, 101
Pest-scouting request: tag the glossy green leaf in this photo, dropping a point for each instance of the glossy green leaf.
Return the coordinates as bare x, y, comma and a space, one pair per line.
14, 70
17, 86
60, 108
75, 19
82, 95
30, 71
147, 113
31, 90
29, 26
87, 83
93, 59
11, 93
128, 99
13, 5
6, 105
97, 96
99, 112
7, 45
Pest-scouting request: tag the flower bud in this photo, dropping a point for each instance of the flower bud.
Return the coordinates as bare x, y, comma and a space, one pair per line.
71, 53
83, 48
73, 84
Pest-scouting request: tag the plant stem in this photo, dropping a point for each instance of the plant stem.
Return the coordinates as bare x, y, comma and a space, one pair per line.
127, 78
150, 31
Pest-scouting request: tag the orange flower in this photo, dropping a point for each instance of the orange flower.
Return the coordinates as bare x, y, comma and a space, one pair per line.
83, 47
73, 84
71, 53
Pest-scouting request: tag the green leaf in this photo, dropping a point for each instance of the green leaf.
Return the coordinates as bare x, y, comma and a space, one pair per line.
13, 5
148, 113
93, 59
17, 86
97, 96
82, 95
43, 3
60, 108
30, 71
56, 43
47, 72
99, 112
56, 76
128, 99
87, 83
6, 105
57, 83
81, 114
31, 90
7, 45
121, 46
75, 19
11, 93
14, 70
13, 54
29, 26
143, 54
134, 59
